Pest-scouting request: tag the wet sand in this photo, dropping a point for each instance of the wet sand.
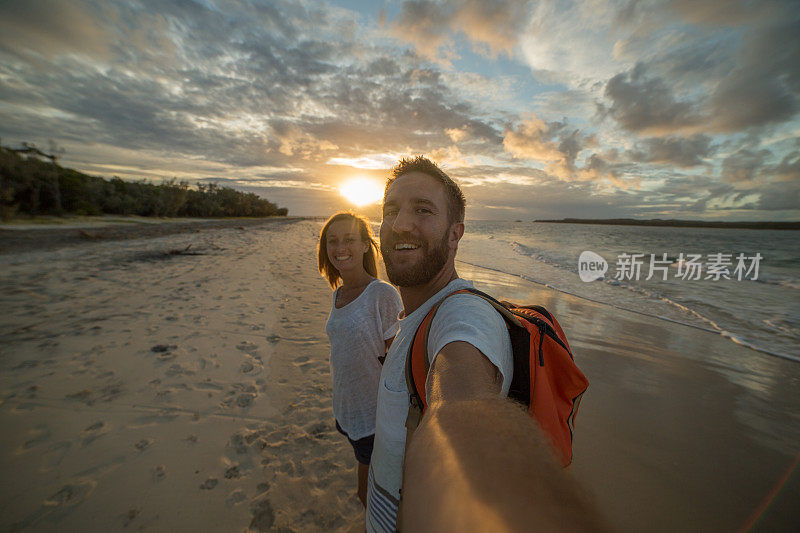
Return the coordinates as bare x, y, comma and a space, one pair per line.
181, 382
680, 429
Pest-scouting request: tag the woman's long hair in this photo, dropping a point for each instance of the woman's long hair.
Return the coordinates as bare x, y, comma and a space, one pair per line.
326, 268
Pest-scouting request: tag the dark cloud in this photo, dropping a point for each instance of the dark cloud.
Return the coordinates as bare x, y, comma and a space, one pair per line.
744, 165
49, 27
780, 196
645, 104
788, 169
765, 87
680, 151
735, 69
549, 199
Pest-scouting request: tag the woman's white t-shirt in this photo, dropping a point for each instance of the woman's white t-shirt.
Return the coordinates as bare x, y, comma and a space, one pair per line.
357, 333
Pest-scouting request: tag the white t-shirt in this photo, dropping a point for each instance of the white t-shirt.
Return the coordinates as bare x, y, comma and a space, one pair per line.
462, 317
357, 333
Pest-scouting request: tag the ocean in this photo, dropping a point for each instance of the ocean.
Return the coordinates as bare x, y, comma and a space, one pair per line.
758, 305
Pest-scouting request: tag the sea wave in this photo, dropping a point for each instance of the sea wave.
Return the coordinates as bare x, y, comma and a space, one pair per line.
684, 314
782, 281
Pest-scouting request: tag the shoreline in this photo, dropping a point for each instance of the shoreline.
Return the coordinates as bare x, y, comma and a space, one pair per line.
676, 223
720, 332
19, 237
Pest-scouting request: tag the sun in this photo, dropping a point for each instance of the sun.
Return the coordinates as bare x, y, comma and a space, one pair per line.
361, 191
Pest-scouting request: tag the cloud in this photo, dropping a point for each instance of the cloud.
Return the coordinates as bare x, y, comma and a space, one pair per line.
293, 141
788, 169
744, 165
532, 139
717, 12
680, 151
548, 199
571, 43
764, 88
554, 143
733, 67
51, 27
644, 104
780, 197
491, 27
424, 24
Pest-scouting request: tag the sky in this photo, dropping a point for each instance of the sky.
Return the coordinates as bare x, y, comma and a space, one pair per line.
542, 109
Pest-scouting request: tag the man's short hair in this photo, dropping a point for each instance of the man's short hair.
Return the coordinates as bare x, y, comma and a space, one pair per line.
456, 203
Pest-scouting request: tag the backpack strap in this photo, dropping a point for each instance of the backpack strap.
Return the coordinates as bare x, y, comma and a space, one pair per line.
417, 360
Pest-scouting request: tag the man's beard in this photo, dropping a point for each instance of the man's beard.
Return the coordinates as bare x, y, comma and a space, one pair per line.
433, 260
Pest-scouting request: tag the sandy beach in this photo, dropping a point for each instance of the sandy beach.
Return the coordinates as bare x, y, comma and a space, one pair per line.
179, 381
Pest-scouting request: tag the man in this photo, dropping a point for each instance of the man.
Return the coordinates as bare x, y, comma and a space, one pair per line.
477, 461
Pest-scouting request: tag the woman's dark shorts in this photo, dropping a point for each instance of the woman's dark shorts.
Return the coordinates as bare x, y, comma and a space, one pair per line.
361, 447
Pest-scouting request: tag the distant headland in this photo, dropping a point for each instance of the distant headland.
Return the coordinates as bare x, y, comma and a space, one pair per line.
678, 223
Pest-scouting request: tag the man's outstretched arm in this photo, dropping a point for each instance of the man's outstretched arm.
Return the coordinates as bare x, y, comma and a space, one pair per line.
478, 462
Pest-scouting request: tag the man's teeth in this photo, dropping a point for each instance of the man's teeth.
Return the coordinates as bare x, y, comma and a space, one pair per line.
405, 246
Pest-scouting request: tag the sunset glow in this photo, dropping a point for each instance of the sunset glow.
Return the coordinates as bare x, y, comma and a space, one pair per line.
361, 191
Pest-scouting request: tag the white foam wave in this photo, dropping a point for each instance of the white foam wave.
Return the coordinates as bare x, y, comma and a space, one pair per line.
713, 326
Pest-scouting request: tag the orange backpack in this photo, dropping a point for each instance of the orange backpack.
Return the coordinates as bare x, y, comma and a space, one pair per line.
546, 379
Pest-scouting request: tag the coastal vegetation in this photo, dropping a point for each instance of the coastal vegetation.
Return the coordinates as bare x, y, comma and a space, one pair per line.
33, 183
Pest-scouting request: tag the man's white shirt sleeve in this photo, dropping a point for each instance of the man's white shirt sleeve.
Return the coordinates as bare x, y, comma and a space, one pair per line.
471, 319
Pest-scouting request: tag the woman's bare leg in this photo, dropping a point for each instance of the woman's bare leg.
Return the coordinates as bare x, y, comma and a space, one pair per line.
363, 473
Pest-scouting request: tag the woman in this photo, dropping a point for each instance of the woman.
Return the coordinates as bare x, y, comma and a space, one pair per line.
361, 325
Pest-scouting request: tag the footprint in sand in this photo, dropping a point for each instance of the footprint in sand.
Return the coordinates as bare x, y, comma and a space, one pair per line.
236, 497
143, 444
40, 434
159, 472
252, 365
130, 516
93, 432
58, 505
242, 395
209, 484
247, 347
263, 516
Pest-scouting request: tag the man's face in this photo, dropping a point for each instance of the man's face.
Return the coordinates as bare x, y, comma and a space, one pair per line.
415, 241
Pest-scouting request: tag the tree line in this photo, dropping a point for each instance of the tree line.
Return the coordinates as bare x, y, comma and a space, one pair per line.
33, 183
